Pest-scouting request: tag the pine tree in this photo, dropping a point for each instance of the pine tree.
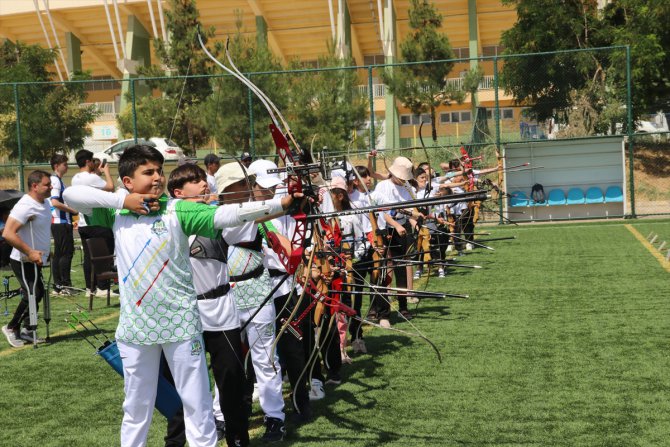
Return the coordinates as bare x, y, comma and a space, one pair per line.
178, 112
423, 87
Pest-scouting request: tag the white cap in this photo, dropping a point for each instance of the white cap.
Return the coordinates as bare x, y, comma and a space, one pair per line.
228, 174
260, 168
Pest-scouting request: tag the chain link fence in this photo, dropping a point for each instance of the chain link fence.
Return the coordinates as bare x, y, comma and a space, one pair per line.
425, 111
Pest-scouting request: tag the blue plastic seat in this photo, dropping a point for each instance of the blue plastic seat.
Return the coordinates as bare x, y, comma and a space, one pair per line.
594, 195
613, 194
575, 197
518, 198
556, 197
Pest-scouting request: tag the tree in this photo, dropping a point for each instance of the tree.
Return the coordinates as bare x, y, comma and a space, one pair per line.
178, 111
326, 104
52, 119
554, 83
227, 109
423, 87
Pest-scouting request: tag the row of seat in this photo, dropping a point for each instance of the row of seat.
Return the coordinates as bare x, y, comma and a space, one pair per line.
576, 196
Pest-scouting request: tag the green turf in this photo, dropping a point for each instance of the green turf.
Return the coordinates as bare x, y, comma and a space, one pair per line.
563, 342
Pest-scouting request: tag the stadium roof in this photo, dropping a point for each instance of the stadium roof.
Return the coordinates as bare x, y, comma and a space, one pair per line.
296, 28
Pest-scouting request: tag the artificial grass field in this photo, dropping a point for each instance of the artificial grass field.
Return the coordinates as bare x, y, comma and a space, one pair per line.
565, 341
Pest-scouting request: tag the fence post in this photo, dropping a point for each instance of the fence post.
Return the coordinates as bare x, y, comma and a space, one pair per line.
18, 135
630, 132
252, 135
371, 98
496, 115
132, 101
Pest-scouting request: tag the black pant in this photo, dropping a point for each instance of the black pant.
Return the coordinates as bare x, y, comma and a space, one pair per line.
5, 251
398, 247
357, 298
290, 348
63, 252
329, 348
26, 270
225, 351
89, 232
464, 227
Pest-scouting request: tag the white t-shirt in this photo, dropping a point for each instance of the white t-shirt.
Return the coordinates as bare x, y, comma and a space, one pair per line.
211, 183
88, 179
35, 218
458, 207
217, 314
57, 188
285, 225
388, 192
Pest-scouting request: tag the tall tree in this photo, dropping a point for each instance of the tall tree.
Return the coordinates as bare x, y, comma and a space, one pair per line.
52, 119
178, 111
552, 83
327, 104
423, 87
227, 109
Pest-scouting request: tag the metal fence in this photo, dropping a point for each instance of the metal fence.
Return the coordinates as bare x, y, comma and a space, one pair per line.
358, 109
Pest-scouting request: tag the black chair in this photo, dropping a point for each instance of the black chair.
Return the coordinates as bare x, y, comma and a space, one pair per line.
102, 266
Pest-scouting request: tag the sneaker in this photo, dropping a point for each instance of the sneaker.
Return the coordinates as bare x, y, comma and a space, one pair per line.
12, 337
255, 397
441, 273
56, 292
346, 359
334, 379
27, 335
220, 429
385, 323
372, 317
450, 247
358, 346
417, 274
405, 315
274, 430
316, 392
66, 292
469, 246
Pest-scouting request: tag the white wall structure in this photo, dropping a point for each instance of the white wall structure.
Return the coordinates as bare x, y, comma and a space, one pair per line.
566, 164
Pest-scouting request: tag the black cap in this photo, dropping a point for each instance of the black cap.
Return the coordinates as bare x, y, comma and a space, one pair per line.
245, 156
211, 158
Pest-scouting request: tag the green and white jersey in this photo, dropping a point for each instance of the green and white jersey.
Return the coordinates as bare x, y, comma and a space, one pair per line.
249, 293
158, 299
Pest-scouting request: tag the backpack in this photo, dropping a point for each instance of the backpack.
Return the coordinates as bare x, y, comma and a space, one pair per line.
537, 193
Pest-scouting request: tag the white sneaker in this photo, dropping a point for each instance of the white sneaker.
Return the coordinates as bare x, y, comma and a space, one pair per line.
12, 339
450, 247
440, 273
417, 274
346, 359
385, 323
412, 300
469, 246
100, 293
255, 397
316, 392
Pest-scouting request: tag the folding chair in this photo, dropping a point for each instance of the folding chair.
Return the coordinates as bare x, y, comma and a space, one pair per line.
102, 266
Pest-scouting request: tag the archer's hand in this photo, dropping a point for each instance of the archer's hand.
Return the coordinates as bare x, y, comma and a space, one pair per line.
400, 230
288, 200
141, 203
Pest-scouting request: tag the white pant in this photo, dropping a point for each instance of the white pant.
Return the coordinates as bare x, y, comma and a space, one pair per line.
140, 374
260, 335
